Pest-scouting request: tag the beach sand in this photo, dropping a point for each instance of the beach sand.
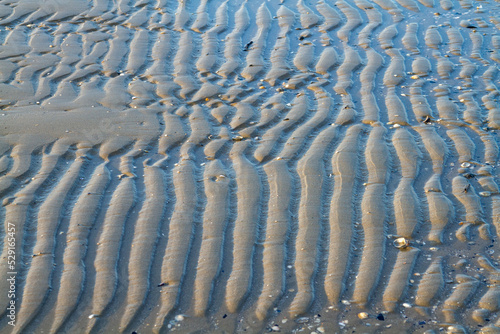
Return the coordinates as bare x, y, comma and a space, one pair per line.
200, 166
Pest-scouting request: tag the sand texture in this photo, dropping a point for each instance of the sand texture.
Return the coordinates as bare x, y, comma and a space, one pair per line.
220, 166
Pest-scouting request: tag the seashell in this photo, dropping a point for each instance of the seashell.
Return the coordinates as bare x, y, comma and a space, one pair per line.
401, 243
362, 315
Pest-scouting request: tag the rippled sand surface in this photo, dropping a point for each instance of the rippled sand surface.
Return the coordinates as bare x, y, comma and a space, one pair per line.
250, 166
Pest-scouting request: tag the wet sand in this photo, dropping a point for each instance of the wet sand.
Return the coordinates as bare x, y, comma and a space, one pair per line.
250, 166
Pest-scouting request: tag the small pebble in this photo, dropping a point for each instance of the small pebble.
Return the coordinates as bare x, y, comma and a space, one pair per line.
179, 317
275, 328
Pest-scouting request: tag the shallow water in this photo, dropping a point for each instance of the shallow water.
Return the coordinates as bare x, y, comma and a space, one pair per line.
209, 166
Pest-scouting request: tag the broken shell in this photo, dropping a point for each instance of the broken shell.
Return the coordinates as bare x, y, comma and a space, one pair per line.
465, 164
455, 329
302, 320
401, 242
485, 193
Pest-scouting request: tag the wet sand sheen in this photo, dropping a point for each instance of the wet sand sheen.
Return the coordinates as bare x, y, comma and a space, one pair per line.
250, 166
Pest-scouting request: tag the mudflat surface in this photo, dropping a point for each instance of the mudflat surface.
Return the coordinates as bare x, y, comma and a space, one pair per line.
233, 166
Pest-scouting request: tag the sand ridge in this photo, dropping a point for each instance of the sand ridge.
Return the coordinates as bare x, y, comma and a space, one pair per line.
227, 166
